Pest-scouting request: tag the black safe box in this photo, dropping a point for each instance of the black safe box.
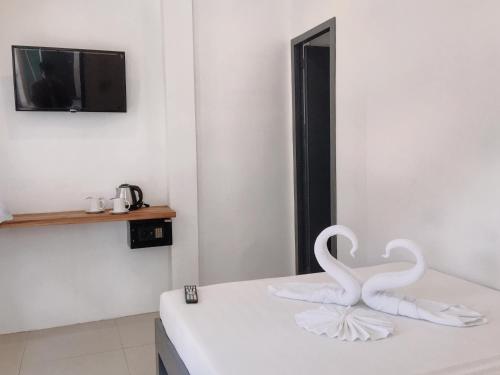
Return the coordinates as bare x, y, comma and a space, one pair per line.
149, 233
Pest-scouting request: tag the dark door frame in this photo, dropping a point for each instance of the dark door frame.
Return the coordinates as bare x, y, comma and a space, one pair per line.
297, 49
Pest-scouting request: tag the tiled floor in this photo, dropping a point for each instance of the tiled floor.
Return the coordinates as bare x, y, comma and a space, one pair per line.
123, 346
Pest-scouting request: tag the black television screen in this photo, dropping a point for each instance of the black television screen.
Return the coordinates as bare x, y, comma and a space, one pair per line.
75, 80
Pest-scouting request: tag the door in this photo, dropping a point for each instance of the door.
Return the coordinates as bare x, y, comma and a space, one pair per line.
313, 57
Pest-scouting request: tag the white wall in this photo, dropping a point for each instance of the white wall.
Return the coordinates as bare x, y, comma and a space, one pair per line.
245, 155
51, 161
244, 139
433, 150
417, 124
416, 132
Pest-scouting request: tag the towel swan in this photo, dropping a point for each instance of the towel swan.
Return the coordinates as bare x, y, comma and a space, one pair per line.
344, 323
376, 296
348, 292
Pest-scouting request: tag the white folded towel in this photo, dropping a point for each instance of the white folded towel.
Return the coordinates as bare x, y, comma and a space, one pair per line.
376, 296
309, 292
4, 213
345, 323
348, 290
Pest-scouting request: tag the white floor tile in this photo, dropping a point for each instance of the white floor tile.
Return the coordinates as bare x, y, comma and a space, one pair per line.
71, 341
137, 330
108, 363
141, 360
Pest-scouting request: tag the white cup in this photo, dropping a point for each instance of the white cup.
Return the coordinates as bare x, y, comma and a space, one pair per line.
4, 213
120, 205
95, 204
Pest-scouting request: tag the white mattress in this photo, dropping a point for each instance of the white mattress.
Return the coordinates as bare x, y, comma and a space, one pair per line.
238, 328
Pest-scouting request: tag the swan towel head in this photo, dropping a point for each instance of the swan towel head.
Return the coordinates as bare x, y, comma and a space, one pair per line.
336, 230
402, 244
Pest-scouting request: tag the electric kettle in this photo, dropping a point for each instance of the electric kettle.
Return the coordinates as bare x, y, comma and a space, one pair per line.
132, 194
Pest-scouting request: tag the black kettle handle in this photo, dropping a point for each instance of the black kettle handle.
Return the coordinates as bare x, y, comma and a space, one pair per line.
137, 189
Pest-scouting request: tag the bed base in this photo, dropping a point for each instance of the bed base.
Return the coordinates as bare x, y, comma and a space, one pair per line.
168, 361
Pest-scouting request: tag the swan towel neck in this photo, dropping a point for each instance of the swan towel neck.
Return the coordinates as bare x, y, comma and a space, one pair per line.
346, 292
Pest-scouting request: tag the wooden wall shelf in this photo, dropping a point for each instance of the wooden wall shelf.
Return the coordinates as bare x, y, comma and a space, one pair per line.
81, 217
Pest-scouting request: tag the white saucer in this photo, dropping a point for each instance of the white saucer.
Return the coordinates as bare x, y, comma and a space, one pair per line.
118, 212
95, 212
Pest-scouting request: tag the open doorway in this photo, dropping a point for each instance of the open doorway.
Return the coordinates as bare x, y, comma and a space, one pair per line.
313, 80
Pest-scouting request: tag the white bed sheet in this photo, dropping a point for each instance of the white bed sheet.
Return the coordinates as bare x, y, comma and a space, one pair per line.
238, 328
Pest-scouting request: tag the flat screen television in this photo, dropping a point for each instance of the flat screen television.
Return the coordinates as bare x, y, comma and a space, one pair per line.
72, 80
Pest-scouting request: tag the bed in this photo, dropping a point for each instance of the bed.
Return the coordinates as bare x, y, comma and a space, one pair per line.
238, 328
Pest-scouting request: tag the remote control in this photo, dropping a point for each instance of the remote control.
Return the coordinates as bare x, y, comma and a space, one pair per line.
190, 294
